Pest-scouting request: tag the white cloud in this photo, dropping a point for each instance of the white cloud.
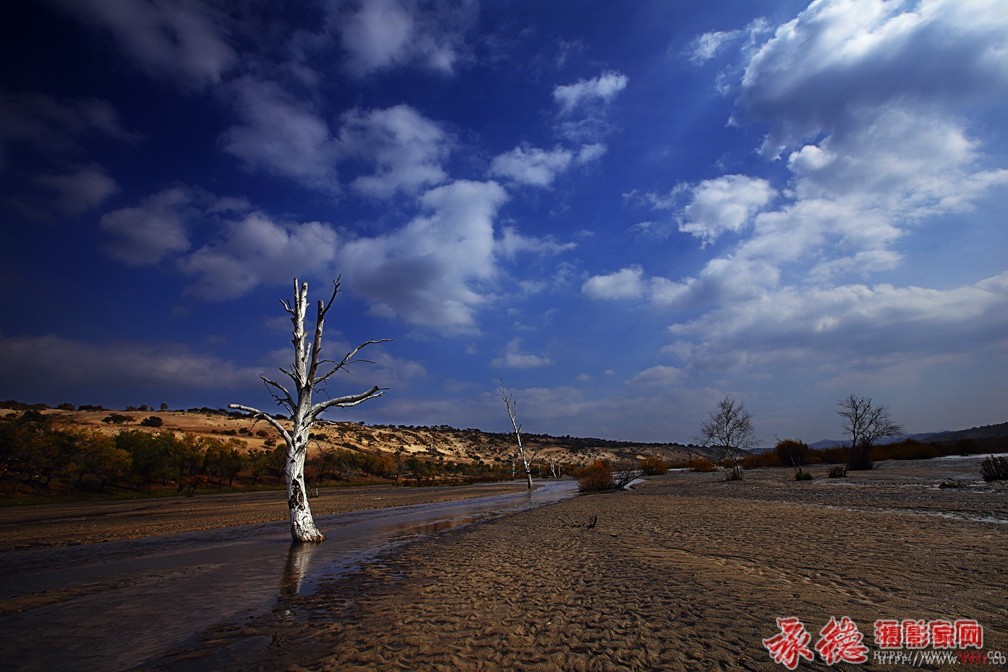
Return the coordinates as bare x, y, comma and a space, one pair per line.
406, 148
838, 58
513, 242
723, 204
514, 358
659, 376
532, 166
281, 135
147, 233
626, 283
257, 250
539, 167
78, 191
179, 39
430, 272
603, 89
706, 46
381, 34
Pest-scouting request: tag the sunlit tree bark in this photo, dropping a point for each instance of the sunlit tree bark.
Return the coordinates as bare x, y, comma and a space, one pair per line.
308, 373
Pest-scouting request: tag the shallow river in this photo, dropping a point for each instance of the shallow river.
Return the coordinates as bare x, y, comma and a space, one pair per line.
113, 606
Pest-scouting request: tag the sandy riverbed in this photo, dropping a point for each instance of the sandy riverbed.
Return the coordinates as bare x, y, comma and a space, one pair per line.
687, 572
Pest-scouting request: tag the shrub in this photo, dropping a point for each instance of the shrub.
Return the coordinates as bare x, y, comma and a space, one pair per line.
838, 471
994, 468
802, 475
596, 477
117, 419
702, 464
792, 452
653, 466
152, 421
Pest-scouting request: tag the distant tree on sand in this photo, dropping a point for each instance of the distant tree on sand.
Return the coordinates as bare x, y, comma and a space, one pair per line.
729, 427
866, 423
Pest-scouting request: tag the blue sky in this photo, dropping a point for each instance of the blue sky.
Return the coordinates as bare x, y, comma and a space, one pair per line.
622, 210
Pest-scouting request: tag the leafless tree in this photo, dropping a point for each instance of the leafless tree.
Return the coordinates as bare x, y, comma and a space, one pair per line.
512, 409
866, 423
730, 428
309, 374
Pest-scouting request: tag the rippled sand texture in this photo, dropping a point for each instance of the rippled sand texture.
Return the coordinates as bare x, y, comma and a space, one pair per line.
686, 573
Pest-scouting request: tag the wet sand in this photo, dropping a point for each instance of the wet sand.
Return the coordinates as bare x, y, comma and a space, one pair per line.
33, 526
688, 572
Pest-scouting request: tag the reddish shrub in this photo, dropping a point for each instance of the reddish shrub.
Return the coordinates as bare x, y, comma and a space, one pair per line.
596, 477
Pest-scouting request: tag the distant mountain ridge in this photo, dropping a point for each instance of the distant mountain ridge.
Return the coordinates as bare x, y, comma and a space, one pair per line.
982, 432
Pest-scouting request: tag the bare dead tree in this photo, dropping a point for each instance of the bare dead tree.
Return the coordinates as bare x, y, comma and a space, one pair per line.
866, 423
309, 374
512, 408
729, 427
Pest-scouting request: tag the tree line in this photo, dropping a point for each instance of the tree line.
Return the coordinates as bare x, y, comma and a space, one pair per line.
39, 455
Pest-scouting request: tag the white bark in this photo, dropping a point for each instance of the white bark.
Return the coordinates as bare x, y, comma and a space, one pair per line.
304, 373
512, 409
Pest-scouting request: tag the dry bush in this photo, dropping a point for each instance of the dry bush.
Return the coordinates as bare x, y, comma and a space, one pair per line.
757, 460
702, 464
653, 466
595, 477
994, 468
838, 471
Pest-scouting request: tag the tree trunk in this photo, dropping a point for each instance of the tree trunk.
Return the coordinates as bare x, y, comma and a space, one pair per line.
301, 520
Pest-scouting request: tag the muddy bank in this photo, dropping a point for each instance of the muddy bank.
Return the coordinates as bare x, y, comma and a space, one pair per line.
685, 573
90, 522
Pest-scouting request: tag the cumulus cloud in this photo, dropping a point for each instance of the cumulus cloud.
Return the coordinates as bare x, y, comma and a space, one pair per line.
255, 250
75, 192
539, 167
659, 376
281, 135
514, 358
405, 147
626, 283
430, 272
147, 233
532, 166
724, 204
838, 58
601, 89
380, 34
177, 39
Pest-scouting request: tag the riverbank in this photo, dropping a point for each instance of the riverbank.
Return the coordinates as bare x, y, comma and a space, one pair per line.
94, 522
687, 572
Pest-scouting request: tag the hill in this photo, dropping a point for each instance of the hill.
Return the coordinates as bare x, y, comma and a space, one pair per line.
443, 443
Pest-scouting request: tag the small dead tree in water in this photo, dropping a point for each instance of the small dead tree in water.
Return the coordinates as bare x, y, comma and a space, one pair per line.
309, 373
512, 409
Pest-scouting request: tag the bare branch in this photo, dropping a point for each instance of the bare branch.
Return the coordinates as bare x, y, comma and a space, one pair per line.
286, 400
265, 416
347, 401
349, 359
